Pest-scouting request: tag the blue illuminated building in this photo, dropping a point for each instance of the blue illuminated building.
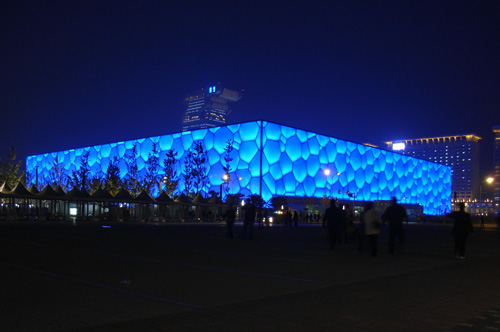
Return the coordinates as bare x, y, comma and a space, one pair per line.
270, 159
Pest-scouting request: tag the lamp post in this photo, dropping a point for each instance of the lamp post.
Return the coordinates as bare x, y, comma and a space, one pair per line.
488, 180
225, 179
327, 172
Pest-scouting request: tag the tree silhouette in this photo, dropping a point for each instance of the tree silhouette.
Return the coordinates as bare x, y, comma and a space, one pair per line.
200, 169
188, 172
112, 180
10, 170
171, 178
152, 178
227, 164
57, 174
132, 179
79, 178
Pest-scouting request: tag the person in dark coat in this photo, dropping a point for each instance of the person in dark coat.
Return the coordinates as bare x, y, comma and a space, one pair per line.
395, 214
230, 216
462, 226
295, 218
372, 225
333, 217
248, 218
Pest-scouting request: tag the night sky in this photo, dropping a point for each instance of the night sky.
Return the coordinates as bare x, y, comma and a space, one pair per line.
80, 73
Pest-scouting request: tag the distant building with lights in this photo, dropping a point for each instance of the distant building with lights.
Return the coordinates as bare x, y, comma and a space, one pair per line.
460, 152
208, 108
496, 176
271, 159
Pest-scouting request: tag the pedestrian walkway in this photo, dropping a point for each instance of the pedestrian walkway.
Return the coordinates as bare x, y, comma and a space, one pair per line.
450, 296
285, 279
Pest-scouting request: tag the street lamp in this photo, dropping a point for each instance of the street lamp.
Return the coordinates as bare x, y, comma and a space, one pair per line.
488, 180
225, 179
327, 173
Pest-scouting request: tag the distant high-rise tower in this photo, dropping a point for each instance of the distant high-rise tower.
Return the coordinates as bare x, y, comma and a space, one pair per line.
208, 108
496, 161
461, 152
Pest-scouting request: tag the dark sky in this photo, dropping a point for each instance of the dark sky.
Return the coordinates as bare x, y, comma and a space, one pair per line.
80, 73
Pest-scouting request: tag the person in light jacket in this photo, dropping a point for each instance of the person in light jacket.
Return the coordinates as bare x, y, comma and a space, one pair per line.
372, 223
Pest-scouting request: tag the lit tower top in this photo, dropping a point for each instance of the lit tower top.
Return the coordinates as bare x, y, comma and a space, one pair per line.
208, 107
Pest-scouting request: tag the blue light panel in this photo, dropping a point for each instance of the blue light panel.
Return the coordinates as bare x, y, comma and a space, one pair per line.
293, 164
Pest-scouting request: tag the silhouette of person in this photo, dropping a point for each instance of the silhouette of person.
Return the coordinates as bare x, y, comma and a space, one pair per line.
462, 226
295, 218
248, 218
333, 216
230, 216
372, 225
395, 214
349, 222
288, 218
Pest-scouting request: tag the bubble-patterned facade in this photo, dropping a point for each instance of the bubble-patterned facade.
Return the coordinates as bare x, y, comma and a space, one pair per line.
276, 160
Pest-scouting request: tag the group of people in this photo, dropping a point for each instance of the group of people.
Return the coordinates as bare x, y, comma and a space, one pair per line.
370, 227
394, 215
338, 220
248, 220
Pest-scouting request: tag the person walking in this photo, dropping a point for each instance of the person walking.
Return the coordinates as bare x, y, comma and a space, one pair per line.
333, 217
248, 219
372, 226
230, 216
395, 214
462, 226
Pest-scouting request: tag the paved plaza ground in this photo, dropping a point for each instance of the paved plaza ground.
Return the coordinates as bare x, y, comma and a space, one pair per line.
189, 277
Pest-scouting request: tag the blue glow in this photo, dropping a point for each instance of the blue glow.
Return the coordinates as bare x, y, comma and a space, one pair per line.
293, 161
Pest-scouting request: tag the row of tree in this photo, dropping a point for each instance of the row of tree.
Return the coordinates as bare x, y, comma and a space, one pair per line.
168, 175
165, 176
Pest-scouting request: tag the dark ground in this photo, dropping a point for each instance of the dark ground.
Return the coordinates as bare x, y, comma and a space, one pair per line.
189, 277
